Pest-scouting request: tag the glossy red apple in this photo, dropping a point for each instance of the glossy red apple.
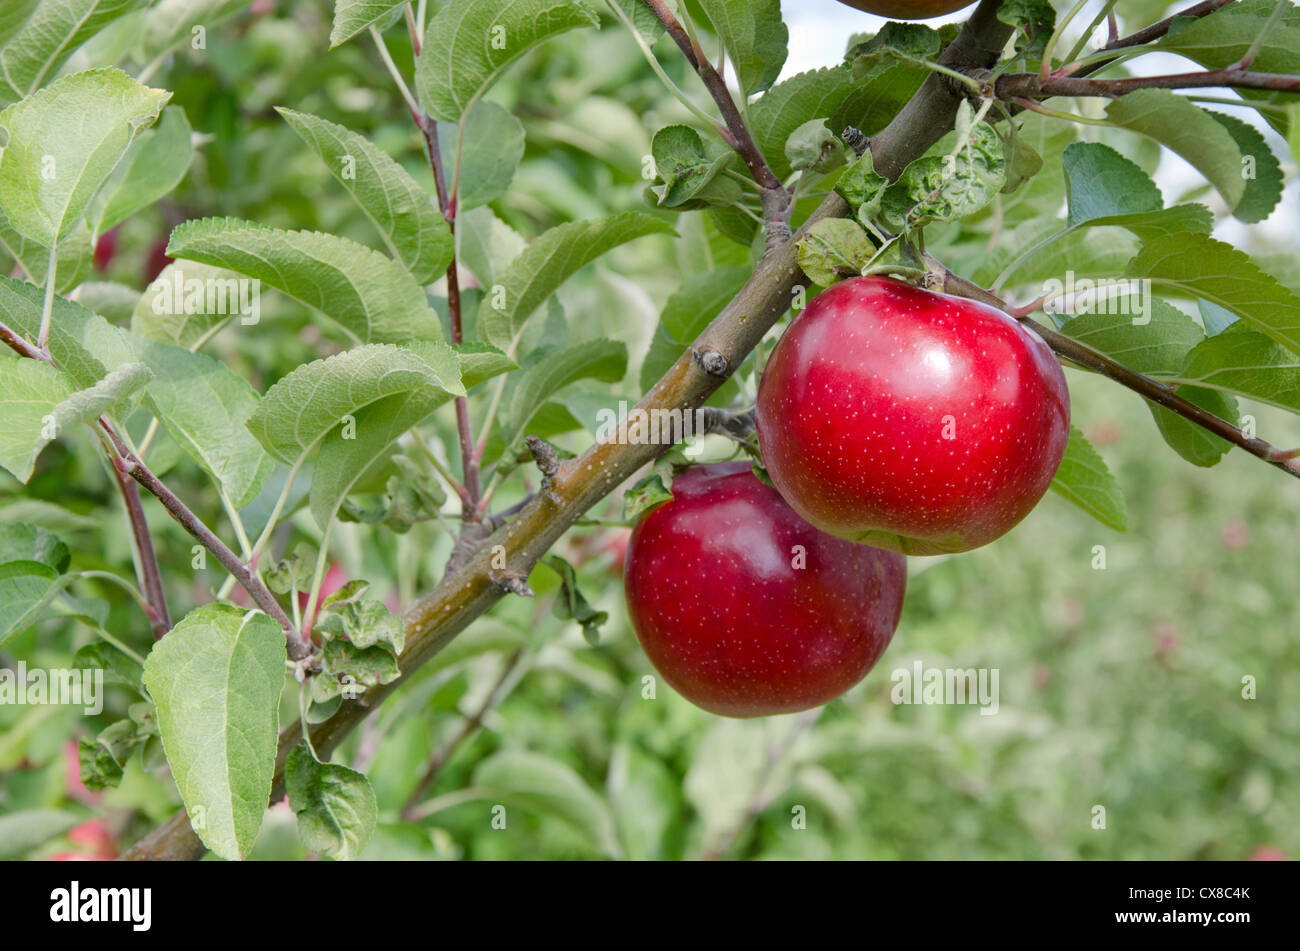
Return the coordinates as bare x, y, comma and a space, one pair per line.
908, 9
746, 609
909, 420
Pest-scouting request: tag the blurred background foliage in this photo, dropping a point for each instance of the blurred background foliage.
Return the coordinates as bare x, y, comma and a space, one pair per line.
1120, 688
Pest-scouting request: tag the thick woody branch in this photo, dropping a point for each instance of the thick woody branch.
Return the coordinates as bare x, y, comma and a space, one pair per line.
468, 591
1153, 390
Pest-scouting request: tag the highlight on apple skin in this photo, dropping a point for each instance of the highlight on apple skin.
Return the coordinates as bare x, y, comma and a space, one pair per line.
747, 610
908, 9
909, 420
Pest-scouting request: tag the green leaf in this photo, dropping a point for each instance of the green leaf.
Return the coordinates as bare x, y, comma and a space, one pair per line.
603, 360
487, 244
29, 392
1194, 443
50, 34
1084, 479
1101, 183
548, 788
1200, 266
774, 116
335, 806
26, 589
548, 262
297, 412
480, 363
687, 312
216, 679
346, 453
688, 172
76, 255
490, 150
371, 297
1224, 37
98, 654
569, 603
205, 407
112, 301
1260, 170
468, 44
206, 302
158, 160
943, 187
20, 541
643, 20
16, 13
83, 344
84, 406
64, 142
411, 226
1243, 361
1033, 20
646, 799
834, 248
646, 496
103, 759
353, 16
863, 187
1179, 124
755, 39
1158, 347
23, 831
170, 23
815, 148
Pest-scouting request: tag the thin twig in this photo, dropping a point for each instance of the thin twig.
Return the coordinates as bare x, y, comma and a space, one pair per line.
447, 202
128, 463
150, 578
776, 197
1016, 86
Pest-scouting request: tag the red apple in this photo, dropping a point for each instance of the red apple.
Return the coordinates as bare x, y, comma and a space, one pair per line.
908, 9
105, 249
746, 609
909, 420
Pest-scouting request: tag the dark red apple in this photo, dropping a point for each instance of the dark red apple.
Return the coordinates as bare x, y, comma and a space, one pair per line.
909, 420
908, 9
746, 609
105, 250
